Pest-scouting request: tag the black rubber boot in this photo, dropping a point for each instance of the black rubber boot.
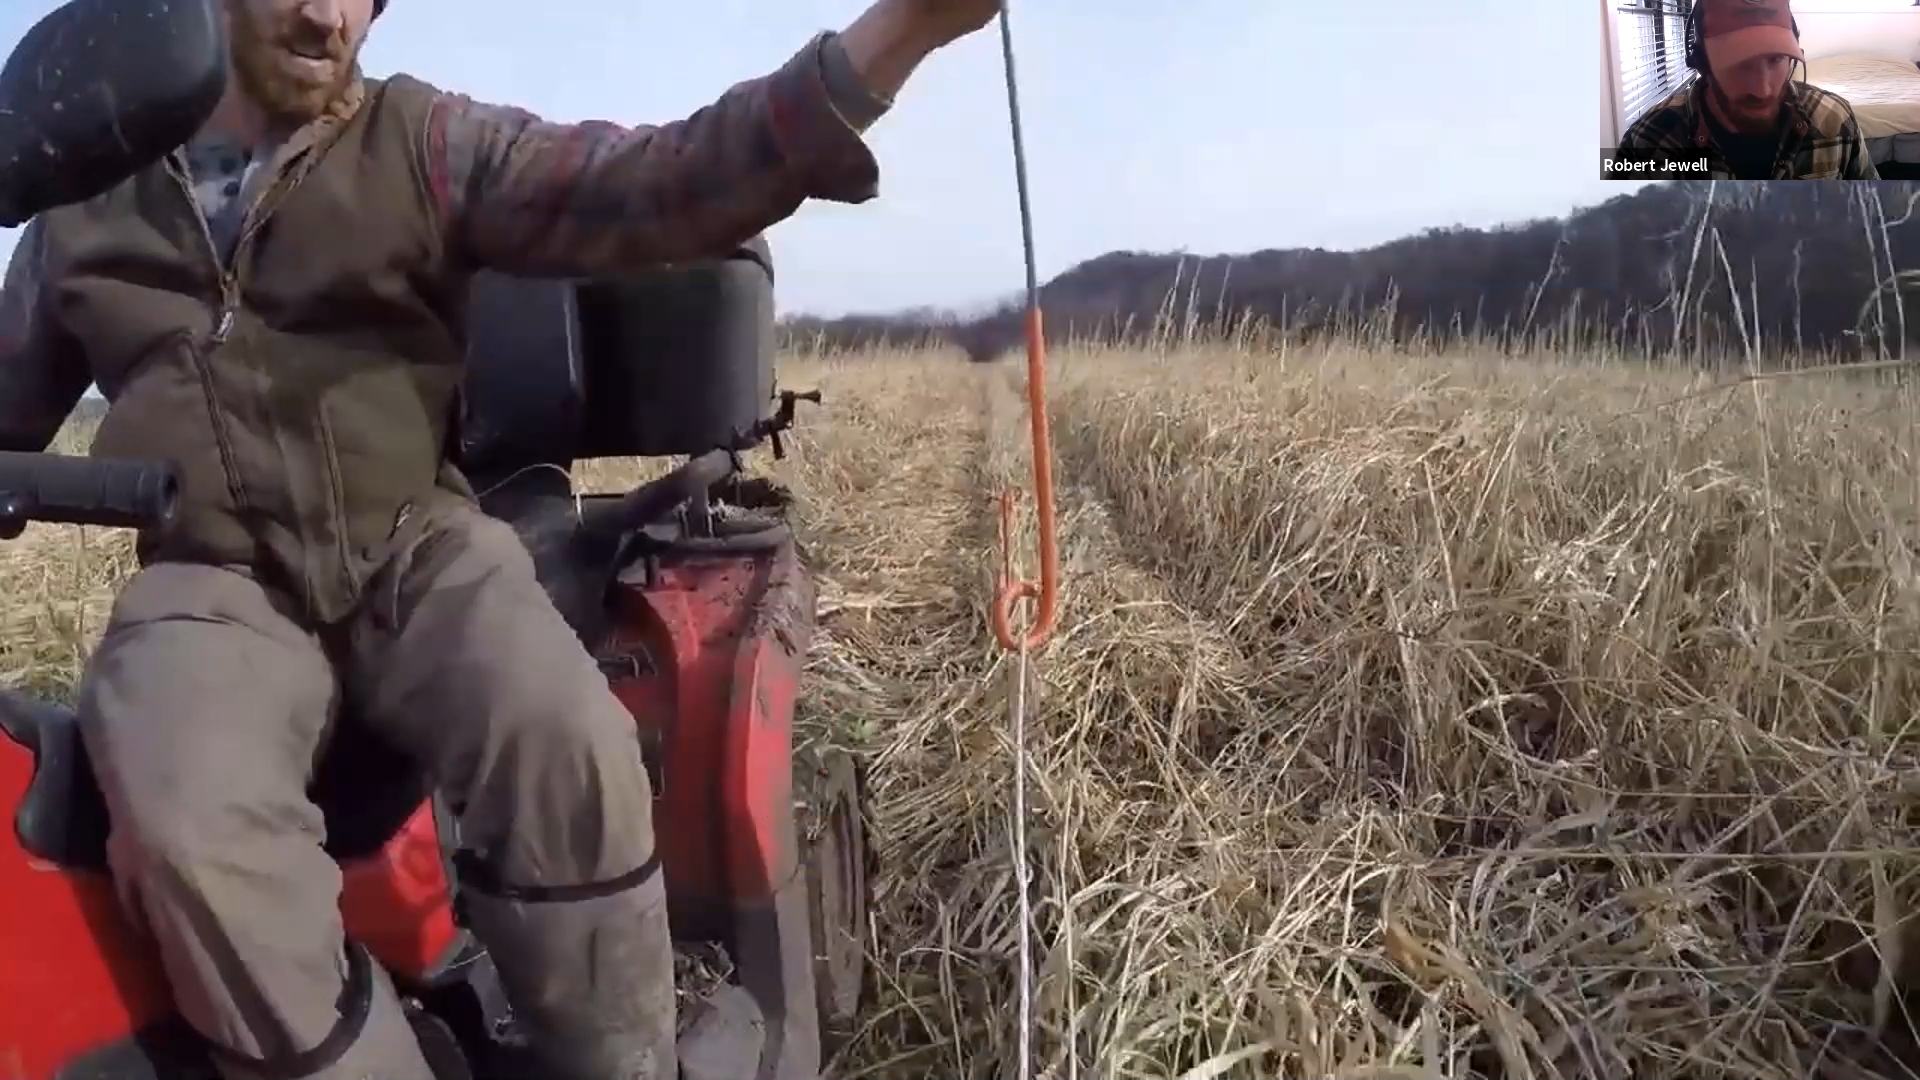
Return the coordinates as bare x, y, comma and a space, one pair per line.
373, 1038
589, 973
722, 1037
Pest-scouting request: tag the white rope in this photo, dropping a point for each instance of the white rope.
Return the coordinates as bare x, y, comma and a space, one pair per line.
1019, 726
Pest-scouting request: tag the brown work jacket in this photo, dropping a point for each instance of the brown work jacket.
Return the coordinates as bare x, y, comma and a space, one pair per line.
303, 390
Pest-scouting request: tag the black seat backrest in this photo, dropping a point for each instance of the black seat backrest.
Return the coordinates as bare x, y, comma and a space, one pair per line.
673, 360
525, 389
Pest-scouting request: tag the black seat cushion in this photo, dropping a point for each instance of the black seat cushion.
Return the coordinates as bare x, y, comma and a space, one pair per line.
62, 817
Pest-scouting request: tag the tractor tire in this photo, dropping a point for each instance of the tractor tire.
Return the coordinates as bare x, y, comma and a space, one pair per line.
838, 866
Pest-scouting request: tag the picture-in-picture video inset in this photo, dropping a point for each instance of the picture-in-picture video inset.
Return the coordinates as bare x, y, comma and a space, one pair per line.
1760, 89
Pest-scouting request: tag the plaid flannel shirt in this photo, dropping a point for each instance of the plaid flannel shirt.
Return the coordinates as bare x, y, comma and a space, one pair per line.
522, 195
1819, 141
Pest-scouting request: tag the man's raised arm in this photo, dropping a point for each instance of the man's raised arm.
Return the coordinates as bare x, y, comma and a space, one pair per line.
524, 196
42, 373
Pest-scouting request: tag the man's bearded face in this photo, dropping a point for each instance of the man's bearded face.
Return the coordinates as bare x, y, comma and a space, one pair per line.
1750, 94
293, 58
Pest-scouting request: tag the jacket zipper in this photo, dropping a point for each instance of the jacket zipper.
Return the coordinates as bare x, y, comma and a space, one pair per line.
292, 173
224, 317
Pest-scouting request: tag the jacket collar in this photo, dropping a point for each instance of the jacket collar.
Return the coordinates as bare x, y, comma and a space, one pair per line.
317, 132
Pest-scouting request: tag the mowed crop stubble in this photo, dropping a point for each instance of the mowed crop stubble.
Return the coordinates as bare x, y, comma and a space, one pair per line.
1408, 716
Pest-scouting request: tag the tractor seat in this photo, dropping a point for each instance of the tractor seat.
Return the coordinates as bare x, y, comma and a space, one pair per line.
364, 787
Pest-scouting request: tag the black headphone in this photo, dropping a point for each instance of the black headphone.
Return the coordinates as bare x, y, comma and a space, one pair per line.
1696, 57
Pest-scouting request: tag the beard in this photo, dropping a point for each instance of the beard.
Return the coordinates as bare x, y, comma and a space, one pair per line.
292, 69
1748, 115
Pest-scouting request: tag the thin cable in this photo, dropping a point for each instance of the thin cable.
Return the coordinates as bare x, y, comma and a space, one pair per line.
1019, 159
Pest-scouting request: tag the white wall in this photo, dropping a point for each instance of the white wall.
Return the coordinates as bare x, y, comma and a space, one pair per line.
1859, 30
1609, 76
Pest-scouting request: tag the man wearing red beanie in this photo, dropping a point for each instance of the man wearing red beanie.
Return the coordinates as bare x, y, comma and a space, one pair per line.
1745, 112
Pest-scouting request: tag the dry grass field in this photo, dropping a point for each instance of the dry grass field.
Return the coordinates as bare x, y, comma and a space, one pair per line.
1408, 716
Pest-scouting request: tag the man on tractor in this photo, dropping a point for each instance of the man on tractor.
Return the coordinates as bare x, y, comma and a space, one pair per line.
277, 309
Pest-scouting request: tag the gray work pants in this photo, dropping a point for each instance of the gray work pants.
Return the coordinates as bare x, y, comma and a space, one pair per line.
205, 710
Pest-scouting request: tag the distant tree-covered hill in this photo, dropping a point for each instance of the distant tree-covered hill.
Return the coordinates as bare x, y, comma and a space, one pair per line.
1797, 265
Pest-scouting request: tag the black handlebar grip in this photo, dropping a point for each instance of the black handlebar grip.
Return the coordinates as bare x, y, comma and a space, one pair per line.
64, 490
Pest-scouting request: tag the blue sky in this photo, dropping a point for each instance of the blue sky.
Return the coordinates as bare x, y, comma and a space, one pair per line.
1202, 125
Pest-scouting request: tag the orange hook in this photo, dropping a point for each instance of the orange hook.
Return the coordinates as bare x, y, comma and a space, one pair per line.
1045, 592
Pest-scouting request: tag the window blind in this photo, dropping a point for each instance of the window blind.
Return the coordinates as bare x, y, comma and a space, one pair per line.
1653, 49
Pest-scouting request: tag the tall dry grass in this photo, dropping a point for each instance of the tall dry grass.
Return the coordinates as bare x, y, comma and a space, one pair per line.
1409, 716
